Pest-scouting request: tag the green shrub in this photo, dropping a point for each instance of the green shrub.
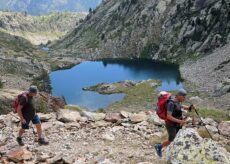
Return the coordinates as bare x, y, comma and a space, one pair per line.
1, 84
217, 115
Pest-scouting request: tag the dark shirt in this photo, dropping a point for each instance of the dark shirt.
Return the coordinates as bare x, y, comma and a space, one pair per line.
28, 110
175, 107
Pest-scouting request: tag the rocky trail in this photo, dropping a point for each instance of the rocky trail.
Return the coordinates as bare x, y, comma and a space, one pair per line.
86, 137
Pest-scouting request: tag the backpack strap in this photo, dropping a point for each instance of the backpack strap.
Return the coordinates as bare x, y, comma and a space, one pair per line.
24, 94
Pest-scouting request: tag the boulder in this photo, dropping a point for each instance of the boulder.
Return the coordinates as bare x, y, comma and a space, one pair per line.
155, 119
125, 114
113, 117
136, 118
195, 100
224, 128
210, 121
211, 129
45, 117
189, 147
93, 116
19, 154
68, 116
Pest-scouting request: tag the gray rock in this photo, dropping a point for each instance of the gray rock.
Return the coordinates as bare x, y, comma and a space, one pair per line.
113, 117
68, 116
108, 136
195, 149
209, 121
19, 154
93, 116
212, 129
224, 128
136, 118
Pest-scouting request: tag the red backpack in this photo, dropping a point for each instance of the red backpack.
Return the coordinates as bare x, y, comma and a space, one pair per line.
161, 105
16, 101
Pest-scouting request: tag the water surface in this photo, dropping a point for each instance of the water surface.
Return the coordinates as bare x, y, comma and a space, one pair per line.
69, 83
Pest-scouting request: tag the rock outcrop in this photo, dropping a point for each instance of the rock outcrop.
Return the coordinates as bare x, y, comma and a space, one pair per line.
189, 147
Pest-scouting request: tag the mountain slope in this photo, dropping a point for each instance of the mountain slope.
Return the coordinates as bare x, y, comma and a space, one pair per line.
39, 29
42, 7
20, 61
162, 29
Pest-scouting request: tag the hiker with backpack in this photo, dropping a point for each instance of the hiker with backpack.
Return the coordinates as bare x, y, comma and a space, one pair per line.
24, 106
170, 109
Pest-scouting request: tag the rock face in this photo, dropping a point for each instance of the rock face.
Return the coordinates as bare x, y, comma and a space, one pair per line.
188, 146
161, 29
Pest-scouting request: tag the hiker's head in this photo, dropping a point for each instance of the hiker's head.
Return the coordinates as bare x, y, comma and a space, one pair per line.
33, 90
181, 94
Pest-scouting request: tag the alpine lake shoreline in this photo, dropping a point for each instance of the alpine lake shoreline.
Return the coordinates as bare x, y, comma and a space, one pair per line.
142, 95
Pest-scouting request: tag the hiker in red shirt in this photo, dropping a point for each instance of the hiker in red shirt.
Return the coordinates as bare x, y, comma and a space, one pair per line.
26, 111
174, 120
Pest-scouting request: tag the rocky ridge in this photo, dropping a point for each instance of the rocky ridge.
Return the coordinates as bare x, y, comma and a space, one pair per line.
87, 137
39, 29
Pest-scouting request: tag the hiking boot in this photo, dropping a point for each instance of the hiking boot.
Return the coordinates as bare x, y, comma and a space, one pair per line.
42, 141
20, 142
158, 148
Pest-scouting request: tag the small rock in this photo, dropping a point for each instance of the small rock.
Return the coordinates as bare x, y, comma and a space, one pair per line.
211, 129
125, 114
93, 116
113, 117
44, 117
108, 136
210, 121
101, 123
117, 128
19, 154
224, 128
136, 118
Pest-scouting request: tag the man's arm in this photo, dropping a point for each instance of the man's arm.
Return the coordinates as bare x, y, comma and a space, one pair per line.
170, 108
173, 119
22, 103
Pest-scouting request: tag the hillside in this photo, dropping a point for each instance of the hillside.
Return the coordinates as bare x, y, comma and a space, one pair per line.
43, 7
20, 61
162, 29
39, 29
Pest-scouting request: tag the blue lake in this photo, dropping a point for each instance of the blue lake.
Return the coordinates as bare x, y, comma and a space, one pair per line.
69, 83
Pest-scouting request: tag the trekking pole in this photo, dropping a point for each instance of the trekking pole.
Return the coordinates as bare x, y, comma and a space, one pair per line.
202, 122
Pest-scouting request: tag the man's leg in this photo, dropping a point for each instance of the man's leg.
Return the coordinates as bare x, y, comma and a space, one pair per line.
171, 129
38, 125
21, 131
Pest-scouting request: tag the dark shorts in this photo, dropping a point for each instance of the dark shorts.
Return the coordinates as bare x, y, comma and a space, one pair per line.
35, 120
172, 131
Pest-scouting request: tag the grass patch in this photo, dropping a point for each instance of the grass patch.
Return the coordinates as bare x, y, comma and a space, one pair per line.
143, 95
74, 107
227, 147
217, 115
203, 132
1, 84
